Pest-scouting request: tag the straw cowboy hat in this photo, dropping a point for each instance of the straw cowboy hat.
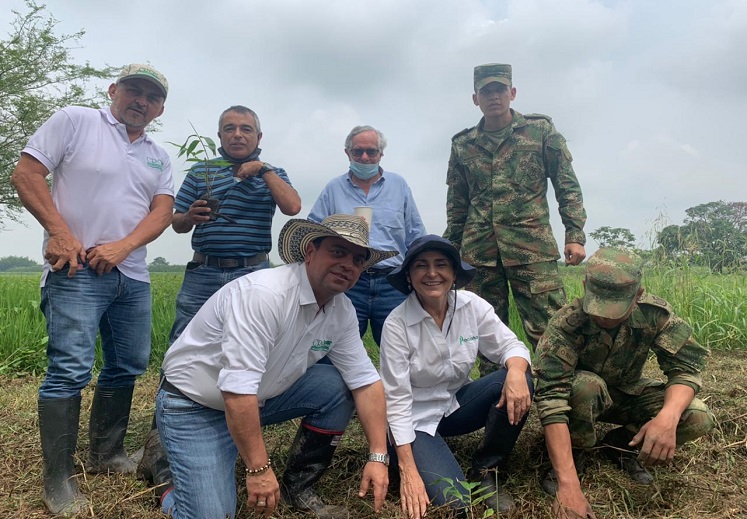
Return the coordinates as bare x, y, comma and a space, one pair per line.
297, 233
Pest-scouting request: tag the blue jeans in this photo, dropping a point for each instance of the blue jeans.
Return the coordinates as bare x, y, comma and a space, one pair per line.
201, 282
76, 310
434, 459
202, 453
374, 299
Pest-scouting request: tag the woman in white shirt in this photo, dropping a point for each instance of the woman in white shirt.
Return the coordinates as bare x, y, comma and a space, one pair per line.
428, 348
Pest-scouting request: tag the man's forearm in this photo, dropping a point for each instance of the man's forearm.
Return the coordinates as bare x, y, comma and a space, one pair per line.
286, 198
371, 406
676, 399
242, 418
154, 223
559, 447
180, 223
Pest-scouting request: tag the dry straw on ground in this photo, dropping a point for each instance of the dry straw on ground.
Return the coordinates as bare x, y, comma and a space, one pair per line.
706, 479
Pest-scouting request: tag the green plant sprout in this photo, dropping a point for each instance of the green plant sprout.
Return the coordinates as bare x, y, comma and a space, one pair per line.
200, 149
475, 494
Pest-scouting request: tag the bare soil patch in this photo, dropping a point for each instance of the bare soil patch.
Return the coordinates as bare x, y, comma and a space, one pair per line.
706, 479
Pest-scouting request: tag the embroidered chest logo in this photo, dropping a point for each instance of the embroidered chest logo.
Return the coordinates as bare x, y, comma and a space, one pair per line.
462, 340
154, 163
321, 345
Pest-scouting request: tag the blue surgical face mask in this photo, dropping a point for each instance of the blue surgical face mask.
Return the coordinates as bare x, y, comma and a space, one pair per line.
364, 171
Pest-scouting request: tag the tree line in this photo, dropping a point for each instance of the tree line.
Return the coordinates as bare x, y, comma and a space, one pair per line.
713, 235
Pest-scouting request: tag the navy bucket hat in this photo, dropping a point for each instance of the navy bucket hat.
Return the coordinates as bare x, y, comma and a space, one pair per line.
464, 271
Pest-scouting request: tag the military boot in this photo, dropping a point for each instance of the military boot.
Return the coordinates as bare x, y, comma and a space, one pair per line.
58, 429
617, 450
310, 455
110, 414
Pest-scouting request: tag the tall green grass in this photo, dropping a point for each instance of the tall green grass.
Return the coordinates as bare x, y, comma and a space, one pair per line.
715, 306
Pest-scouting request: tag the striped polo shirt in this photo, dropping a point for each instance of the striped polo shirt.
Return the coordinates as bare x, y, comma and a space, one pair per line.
248, 202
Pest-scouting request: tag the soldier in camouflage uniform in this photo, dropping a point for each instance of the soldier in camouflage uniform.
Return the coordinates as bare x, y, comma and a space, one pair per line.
497, 211
589, 369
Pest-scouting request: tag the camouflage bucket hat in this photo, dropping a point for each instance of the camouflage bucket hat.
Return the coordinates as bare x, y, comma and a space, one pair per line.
490, 72
136, 70
613, 277
297, 233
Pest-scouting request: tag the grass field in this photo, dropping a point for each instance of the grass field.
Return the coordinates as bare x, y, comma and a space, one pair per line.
704, 481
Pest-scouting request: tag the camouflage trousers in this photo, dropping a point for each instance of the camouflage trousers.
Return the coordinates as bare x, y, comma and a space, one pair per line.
538, 293
593, 401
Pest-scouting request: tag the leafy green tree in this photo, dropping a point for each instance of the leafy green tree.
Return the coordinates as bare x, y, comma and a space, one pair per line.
37, 78
670, 241
13, 262
159, 262
613, 237
713, 235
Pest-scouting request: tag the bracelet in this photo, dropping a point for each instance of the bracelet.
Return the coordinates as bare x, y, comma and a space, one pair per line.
256, 472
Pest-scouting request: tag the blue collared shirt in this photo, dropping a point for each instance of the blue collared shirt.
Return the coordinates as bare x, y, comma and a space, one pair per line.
395, 222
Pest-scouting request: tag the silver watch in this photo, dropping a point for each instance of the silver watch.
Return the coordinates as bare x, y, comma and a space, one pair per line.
381, 458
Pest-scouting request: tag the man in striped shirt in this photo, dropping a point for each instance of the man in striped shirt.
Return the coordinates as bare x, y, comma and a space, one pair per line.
233, 239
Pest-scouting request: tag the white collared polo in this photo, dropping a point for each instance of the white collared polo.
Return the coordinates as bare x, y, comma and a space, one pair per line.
102, 184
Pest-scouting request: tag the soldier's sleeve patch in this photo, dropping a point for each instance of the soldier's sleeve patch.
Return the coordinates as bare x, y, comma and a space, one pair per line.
570, 318
567, 355
557, 142
657, 301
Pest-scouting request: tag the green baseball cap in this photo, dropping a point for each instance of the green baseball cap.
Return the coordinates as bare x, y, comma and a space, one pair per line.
490, 72
613, 277
137, 70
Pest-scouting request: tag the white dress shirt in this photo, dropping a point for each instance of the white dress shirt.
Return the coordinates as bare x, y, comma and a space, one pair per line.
422, 369
258, 335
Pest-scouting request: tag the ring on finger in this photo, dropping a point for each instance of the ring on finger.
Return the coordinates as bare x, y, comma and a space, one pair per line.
261, 503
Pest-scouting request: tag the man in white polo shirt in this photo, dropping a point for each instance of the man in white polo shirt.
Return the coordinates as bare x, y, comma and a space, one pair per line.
112, 193
249, 358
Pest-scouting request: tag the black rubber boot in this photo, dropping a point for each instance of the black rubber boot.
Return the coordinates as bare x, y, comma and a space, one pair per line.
154, 465
497, 443
58, 428
310, 455
624, 456
110, 414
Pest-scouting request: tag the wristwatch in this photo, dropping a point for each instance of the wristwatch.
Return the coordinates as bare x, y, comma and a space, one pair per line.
264, 169
381, 458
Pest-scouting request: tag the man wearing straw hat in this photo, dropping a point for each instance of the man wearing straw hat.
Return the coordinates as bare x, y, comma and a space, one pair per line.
249, 358
590, 369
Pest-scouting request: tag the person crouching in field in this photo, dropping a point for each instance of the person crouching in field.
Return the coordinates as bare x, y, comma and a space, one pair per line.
428, 347
589, 369
249, 358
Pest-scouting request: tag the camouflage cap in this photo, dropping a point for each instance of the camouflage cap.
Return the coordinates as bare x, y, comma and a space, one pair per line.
136, 70
490, 72
613, 277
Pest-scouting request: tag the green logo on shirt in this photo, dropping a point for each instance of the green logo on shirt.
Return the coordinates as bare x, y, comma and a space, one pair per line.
462, 340
321, 345
155, 163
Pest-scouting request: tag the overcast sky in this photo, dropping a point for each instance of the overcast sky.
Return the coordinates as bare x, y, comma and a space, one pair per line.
651, 95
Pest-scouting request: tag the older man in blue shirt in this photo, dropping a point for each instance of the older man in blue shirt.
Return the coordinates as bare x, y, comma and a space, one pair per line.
395, 222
